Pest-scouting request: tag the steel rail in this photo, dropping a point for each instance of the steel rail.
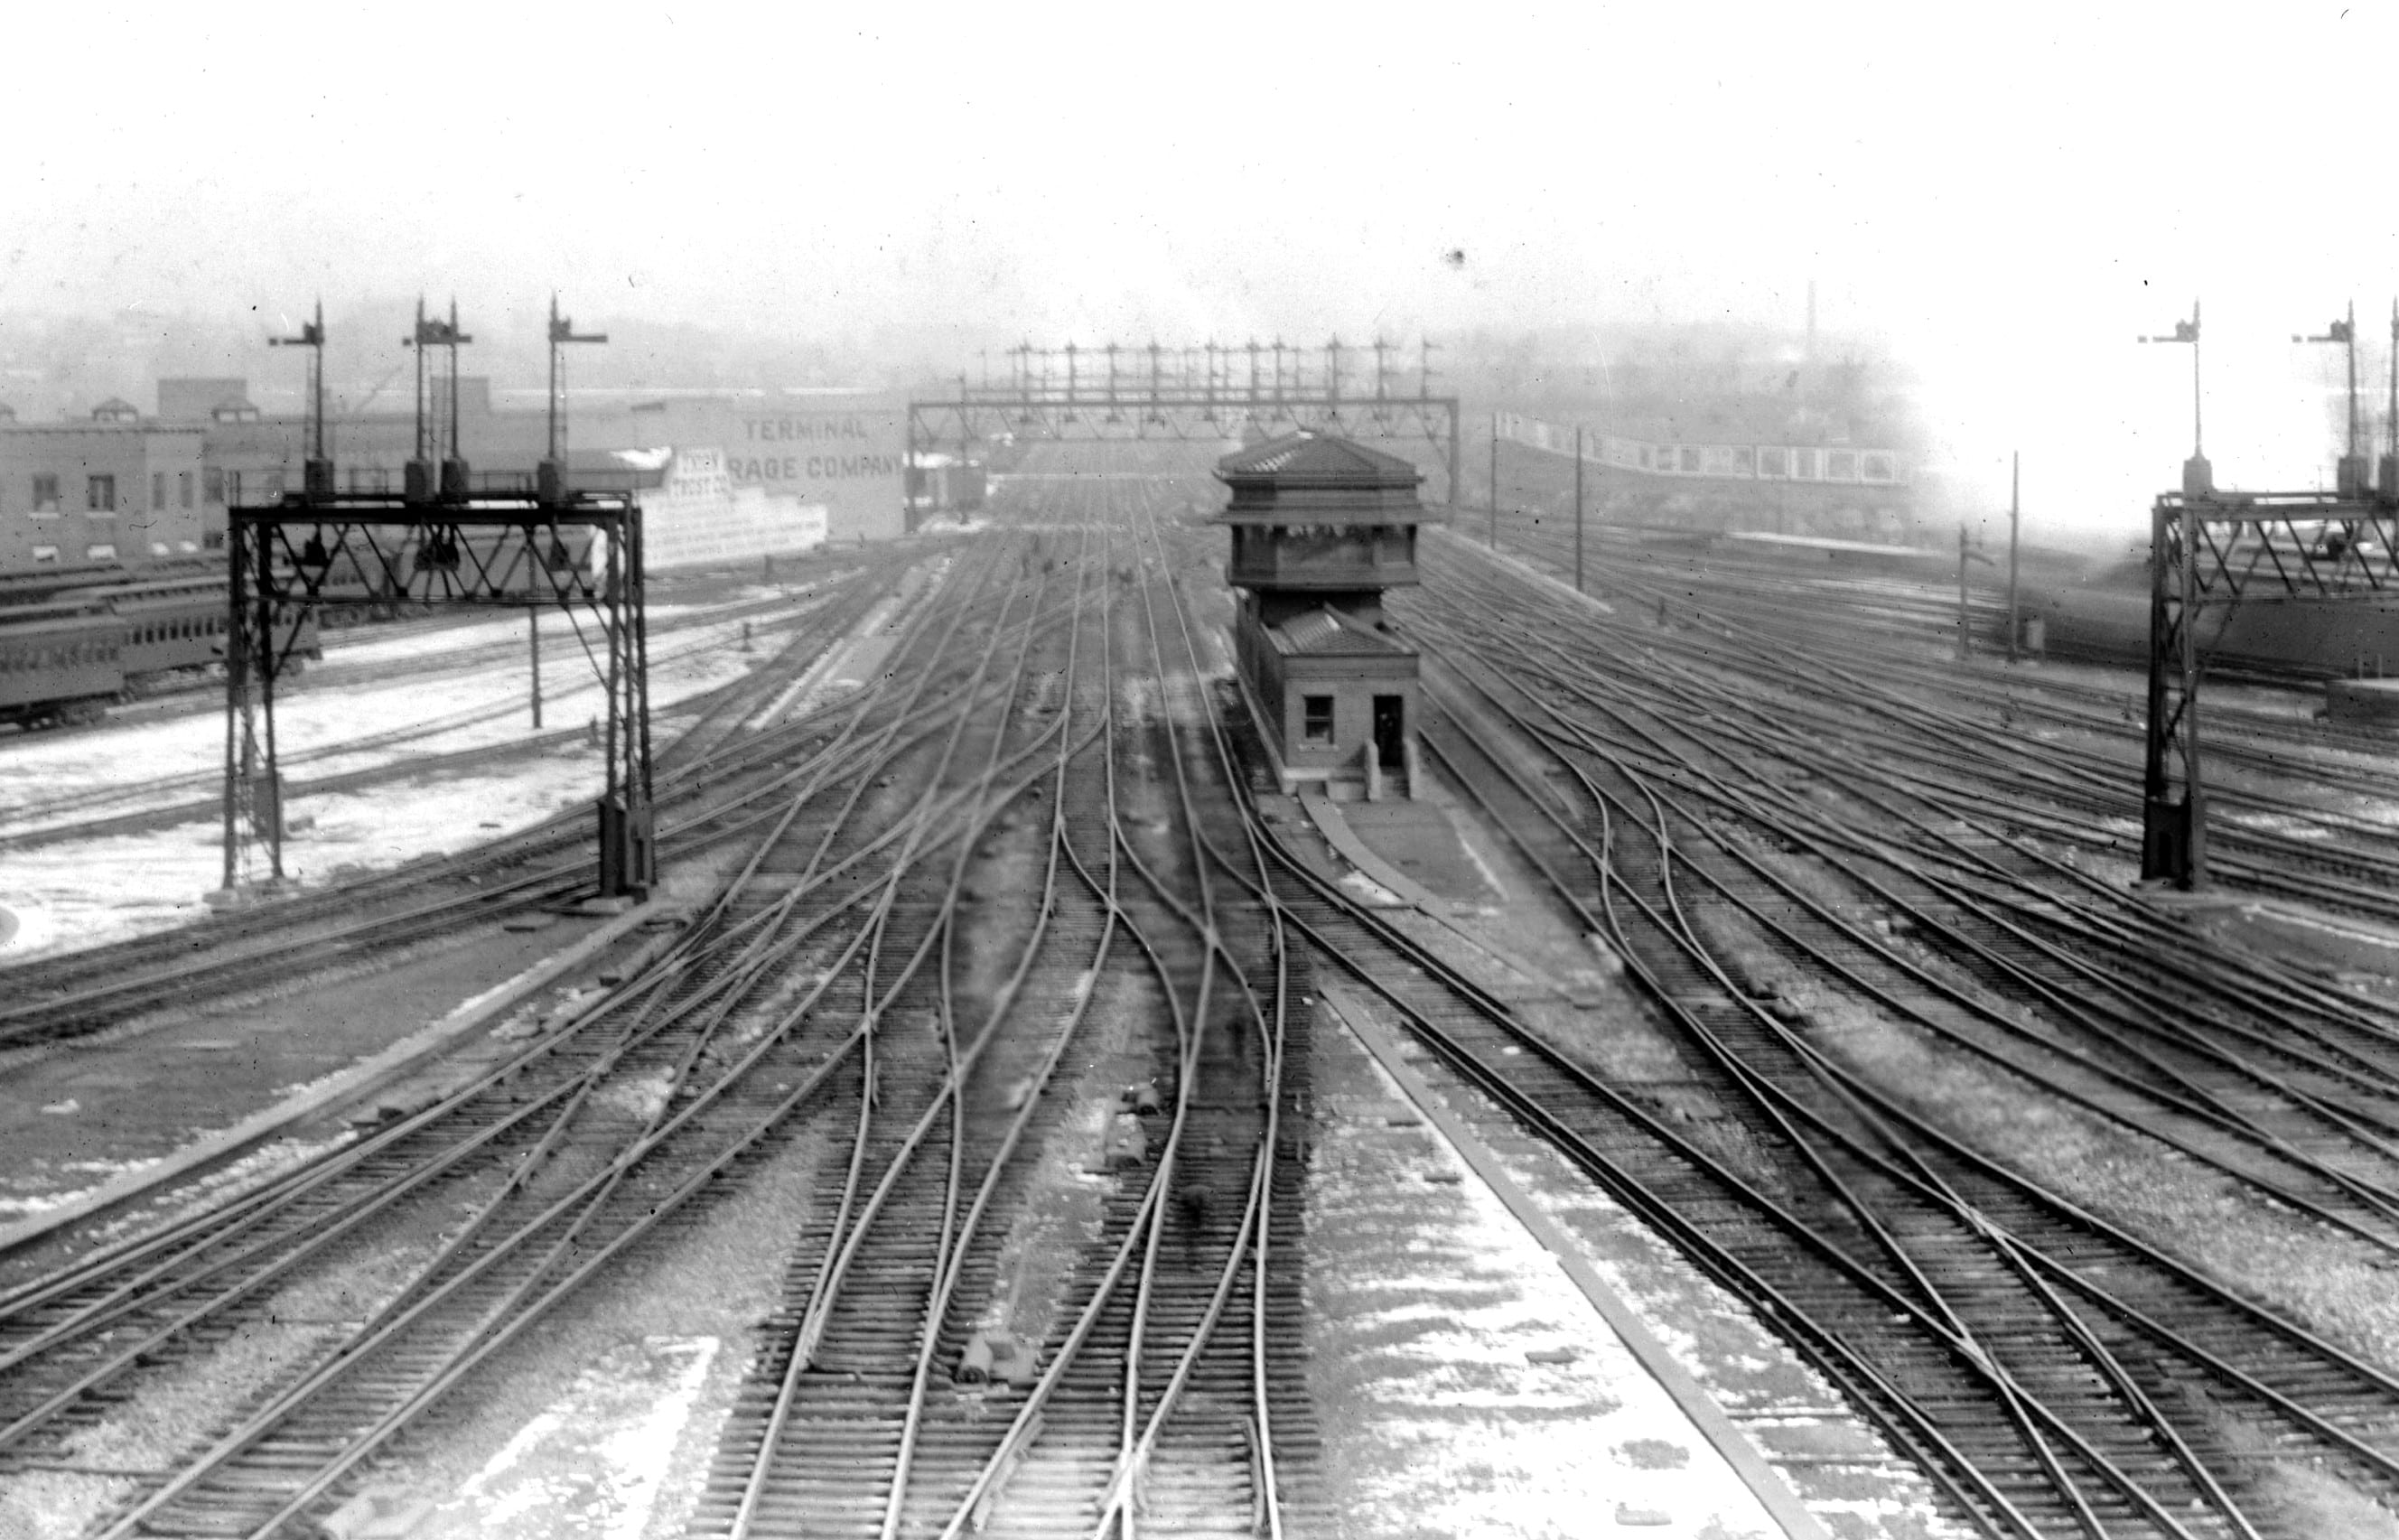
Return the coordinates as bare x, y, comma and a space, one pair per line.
2185, 1094
1921, 1134
595, 1188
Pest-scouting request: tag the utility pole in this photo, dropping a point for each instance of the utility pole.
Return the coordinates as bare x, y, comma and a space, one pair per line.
552, 478
454, 464
1578, 508
549, 481
317, 470
2014, 511
2347, 481
2197, 479
419, 475
2388, 481
1965, 634
1495, 480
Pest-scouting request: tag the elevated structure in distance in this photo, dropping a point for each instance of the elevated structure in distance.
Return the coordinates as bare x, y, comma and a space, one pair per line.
1210, 392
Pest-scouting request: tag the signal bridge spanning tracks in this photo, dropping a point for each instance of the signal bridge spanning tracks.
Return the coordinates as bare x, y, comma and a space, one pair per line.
1086, 395
2210, 550
579, 550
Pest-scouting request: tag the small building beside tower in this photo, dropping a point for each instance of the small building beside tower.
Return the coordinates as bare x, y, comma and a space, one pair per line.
1321, 526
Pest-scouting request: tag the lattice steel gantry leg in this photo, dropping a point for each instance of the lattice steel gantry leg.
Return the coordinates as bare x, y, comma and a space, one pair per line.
2174, 826
628, 826
253, 783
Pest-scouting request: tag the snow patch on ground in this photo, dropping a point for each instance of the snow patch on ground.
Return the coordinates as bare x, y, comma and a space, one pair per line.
1370, 890
1500, 1402
91, 892
594, 1461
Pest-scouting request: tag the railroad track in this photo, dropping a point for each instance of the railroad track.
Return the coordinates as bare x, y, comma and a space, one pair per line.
708, 783
801, 1000
197, 796
1655, 826
2121, 978
2279, 839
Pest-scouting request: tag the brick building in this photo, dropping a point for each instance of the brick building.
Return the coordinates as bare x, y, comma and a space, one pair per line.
111, 490
1321, 526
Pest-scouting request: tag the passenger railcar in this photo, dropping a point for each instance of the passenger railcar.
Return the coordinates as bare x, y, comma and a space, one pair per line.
68, 659
175, 622
2102, 616
62, 665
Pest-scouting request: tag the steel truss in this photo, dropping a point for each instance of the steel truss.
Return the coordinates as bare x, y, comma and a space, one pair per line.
580, 551
1089, 394
2208, 551
979, 416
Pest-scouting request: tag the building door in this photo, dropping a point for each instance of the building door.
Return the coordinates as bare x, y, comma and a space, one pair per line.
1390, 732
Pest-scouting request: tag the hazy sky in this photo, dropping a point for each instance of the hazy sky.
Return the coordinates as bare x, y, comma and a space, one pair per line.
2009, 197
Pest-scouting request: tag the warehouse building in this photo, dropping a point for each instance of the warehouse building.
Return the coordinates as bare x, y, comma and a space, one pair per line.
111, 490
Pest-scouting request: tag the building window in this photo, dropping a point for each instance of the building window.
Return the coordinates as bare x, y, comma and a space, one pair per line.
46, 494
45, 556
1316, 721
274, 488
214, 488
233, 488
100, 494
101, 552
213, 540
184, 488
158, 490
